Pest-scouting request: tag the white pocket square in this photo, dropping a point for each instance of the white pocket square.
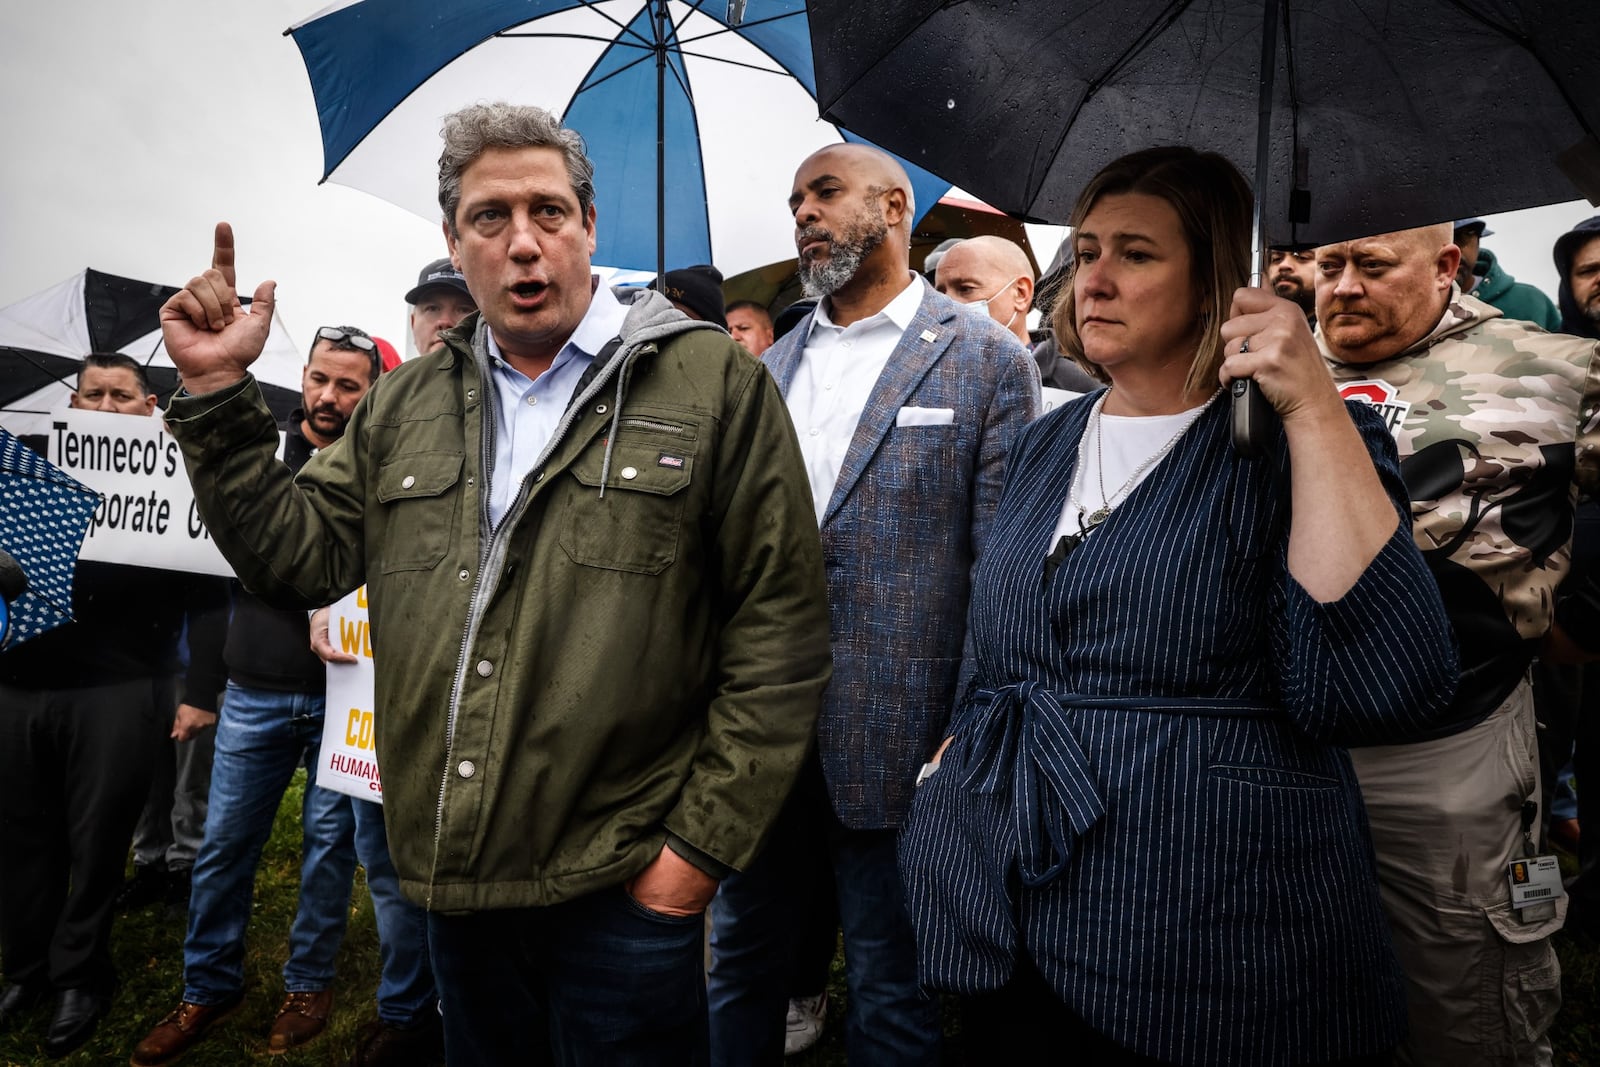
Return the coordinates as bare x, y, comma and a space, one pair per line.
909, 416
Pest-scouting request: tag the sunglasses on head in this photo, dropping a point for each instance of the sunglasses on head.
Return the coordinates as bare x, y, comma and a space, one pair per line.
355, 340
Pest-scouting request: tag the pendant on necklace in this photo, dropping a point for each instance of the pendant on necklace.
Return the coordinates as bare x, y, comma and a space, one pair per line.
1096, 517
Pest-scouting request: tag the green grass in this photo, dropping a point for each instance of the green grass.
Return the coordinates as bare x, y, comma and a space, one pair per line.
149, 954
148, 945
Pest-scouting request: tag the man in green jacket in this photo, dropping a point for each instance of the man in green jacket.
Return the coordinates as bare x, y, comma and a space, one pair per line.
1481, 275
597, 603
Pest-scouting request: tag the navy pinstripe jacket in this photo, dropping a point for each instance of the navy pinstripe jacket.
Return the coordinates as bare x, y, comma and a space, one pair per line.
908, 516
1147, 792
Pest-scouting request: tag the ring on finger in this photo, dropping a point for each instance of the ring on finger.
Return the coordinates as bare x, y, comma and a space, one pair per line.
1244, 345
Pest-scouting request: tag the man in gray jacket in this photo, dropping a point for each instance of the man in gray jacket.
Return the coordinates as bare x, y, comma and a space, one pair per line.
597, 603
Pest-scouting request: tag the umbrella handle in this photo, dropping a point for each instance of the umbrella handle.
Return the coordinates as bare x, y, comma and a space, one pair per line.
1252, 417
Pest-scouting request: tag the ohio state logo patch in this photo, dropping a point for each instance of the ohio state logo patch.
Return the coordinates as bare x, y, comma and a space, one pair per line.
1381, 395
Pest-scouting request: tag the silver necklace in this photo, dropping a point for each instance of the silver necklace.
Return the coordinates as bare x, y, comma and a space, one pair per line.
1088, 520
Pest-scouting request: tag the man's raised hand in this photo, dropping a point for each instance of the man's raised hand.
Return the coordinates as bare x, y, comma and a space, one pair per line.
210, 338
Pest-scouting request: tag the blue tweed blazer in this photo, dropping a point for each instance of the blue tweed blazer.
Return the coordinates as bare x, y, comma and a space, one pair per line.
1147, 792
909, 515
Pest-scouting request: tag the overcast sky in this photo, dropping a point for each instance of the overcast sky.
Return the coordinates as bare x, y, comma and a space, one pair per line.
131, 128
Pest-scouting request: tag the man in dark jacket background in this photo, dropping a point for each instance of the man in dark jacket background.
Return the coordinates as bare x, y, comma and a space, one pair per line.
1577, 256
271, 723
84, 711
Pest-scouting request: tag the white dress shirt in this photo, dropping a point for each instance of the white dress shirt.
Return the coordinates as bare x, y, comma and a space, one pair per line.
835, 376
527, 411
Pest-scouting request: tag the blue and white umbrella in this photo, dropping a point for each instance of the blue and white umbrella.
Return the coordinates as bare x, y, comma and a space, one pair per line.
44, 513
736, 109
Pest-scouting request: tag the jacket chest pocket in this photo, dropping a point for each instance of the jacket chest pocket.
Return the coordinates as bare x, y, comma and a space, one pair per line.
419, 509
637, 525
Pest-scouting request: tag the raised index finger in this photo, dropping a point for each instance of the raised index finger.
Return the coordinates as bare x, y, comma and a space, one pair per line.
222, 254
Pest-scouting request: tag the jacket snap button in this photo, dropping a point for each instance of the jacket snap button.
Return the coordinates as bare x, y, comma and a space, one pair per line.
600, 410
466, 770
485, 668
463, 575
630, 473
538, 476
471, 393
407, 482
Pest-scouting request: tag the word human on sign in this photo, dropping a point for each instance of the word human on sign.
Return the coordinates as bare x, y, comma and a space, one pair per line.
349, 753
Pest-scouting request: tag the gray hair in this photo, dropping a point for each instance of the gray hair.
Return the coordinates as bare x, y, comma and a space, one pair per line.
468, 132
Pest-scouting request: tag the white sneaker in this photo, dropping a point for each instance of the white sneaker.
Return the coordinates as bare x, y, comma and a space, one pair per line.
803, 1026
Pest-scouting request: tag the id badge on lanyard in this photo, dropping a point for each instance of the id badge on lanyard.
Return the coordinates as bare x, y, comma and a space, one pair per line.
1535, 880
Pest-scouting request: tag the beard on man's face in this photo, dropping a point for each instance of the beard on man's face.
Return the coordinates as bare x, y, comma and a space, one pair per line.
327, 420
857, 239
1296, 290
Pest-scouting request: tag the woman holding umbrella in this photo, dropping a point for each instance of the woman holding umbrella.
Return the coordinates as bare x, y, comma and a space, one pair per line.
1144, 841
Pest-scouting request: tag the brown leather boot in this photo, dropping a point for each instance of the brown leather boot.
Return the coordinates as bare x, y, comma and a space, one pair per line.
180, 1030
302, 1017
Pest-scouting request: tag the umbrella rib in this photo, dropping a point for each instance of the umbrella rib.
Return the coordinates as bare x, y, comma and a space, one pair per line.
587, 85
1521, 41
610, 41
733, 63
723, 29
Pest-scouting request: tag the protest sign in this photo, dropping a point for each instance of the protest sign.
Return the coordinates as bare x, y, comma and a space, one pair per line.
349, 760
147, 515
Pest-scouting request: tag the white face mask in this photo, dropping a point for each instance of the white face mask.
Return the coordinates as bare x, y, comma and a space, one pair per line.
980, 308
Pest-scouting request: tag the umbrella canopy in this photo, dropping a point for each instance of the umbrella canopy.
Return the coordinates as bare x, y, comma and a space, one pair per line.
43, 516
1379, 116
44, 337
736, 110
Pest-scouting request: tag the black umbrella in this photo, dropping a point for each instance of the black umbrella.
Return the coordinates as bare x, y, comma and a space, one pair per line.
1355, 116
44, 337
1380, 115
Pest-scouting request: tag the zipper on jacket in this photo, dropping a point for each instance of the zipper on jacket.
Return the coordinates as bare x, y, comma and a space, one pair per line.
656, 427
492, 539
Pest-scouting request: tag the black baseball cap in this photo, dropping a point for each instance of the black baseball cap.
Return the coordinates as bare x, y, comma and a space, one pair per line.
436, 274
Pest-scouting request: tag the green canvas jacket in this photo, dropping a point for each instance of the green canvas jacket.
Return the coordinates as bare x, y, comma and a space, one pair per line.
635, 656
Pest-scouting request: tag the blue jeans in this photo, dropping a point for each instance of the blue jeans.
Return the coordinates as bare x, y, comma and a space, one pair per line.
599, 981
262, 737
406, 994
888, 1020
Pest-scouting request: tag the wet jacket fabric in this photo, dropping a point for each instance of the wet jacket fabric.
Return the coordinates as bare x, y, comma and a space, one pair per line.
637, 651
268, 647
1516, 300
1573, 320
1498, 427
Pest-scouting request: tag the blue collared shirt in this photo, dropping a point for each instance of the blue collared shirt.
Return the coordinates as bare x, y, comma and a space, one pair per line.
527, 411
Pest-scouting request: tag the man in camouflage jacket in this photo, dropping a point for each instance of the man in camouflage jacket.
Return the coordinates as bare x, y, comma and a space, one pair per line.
1497, 426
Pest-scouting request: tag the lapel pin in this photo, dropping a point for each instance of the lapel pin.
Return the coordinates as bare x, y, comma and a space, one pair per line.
929, 335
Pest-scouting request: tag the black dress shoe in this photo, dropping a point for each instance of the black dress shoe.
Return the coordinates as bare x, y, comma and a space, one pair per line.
16, 999
147, 886
78, 1012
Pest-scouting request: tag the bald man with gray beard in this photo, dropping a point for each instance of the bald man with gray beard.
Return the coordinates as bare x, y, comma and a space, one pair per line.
906, 407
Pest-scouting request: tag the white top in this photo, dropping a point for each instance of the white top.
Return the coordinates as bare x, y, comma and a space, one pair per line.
1126, 441
527, 411
835, 376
